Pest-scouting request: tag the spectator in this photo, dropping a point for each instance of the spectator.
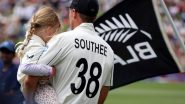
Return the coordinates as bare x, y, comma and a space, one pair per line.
9, 87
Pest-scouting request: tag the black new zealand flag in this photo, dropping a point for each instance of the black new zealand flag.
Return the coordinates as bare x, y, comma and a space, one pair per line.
141, 51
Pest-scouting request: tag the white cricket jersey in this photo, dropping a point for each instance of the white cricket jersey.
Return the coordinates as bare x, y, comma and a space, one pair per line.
32, 53
84, 63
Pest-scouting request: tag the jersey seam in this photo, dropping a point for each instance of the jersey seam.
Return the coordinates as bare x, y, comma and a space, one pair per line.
54, 56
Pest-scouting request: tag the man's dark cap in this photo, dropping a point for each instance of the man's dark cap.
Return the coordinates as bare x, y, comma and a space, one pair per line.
86, 7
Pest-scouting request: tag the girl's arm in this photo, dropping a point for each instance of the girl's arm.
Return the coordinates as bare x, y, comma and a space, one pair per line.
37, 70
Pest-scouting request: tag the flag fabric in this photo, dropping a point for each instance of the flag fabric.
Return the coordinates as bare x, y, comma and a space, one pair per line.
132, 28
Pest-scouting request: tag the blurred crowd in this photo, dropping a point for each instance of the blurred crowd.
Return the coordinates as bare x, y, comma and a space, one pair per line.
177, 11
14, 15
9, 87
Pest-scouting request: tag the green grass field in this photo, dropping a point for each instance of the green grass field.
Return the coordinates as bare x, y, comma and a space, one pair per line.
148, 93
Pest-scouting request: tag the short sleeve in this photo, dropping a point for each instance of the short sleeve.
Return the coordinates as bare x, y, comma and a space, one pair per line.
109, 79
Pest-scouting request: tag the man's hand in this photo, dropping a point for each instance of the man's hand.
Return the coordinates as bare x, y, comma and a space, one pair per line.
29, 88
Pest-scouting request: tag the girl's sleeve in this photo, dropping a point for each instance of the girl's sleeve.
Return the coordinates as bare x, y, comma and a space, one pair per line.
36, 69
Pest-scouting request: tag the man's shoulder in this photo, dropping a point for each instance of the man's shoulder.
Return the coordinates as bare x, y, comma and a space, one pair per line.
61, 39
64, 34
104, 42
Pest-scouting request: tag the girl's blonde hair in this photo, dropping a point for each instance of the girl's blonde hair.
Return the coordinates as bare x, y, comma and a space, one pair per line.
45, 16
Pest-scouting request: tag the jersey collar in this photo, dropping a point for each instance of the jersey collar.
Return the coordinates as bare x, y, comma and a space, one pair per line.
88, 26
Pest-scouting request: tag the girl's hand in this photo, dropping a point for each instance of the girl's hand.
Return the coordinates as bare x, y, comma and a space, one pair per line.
53, 73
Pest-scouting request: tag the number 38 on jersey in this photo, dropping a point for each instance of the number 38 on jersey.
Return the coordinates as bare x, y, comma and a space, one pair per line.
87, 83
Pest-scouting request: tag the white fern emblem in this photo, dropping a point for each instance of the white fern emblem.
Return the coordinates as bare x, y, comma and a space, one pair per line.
119, 31
126, 25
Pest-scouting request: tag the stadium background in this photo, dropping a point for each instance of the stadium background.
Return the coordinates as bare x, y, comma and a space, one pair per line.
168, 89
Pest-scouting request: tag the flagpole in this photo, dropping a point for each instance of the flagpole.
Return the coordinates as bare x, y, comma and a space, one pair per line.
173, 25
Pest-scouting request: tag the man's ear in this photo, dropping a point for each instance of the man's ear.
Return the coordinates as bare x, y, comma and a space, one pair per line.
74, 13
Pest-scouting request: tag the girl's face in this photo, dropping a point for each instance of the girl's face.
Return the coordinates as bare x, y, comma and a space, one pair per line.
54, 30
49, 32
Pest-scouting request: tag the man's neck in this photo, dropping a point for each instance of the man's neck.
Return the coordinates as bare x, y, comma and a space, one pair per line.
77, 23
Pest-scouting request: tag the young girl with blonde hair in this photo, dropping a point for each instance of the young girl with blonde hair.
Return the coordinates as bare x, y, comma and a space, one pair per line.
43, 26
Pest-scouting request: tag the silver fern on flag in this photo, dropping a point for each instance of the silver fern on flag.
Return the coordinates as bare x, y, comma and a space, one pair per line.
119, 31
126, 25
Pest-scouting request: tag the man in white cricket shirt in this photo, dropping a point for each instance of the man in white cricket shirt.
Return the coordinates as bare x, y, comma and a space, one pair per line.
83, 60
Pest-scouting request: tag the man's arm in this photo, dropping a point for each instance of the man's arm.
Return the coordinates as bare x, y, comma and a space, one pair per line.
103, 94
106, 86
29, 87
